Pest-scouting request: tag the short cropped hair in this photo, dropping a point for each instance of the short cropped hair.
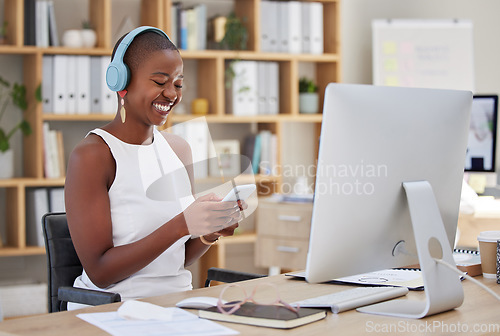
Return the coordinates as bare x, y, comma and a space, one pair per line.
142, 46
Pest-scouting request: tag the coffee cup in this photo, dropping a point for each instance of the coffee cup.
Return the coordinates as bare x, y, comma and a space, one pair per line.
488, 251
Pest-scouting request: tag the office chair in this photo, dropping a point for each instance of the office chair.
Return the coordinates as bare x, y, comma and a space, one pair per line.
64, 266
228, 276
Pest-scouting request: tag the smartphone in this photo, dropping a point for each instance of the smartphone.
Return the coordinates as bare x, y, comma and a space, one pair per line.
241, 192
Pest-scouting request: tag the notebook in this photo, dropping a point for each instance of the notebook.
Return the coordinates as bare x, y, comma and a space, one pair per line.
273, 316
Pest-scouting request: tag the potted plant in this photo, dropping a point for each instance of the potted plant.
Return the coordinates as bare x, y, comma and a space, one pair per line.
89, 37
236, 34
308, 96
16, 95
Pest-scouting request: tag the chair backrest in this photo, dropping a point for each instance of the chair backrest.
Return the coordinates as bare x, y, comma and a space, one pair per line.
62, 260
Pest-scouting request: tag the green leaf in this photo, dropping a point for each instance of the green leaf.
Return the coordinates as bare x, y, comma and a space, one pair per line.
38, 93
25, 127
4, 142
19, 96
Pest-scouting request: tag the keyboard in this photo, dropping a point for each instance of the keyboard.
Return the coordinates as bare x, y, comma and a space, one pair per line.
352, 298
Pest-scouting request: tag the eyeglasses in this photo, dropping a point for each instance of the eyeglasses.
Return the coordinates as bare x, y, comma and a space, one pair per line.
227, 304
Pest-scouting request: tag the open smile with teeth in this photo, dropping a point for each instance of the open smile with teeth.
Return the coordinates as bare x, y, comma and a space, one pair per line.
162, 107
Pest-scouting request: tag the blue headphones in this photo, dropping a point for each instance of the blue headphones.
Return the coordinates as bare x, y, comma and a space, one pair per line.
118, 73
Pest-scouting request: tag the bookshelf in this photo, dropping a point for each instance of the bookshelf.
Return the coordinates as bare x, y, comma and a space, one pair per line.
210, 65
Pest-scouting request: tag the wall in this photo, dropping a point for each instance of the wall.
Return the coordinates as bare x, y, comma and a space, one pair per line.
356, 35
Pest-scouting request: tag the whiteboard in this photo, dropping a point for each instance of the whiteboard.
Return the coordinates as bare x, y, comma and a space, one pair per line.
423, 53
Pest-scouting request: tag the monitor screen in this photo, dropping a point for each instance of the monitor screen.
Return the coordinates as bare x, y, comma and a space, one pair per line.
374, 138
481, 145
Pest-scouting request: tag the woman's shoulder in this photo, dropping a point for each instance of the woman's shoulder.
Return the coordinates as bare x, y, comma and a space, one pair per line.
91, 147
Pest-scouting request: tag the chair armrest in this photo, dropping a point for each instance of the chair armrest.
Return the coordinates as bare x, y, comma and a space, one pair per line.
86, 296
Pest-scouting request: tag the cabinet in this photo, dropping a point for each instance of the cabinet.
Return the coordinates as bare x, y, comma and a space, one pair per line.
282, 234
209, 65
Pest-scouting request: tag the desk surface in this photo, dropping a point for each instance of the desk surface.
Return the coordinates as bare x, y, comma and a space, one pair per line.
477, 315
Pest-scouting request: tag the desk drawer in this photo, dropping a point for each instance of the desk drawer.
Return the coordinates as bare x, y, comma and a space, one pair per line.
286, 253
284, 221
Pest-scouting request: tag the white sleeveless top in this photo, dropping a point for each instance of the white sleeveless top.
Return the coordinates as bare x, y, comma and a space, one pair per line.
134, 215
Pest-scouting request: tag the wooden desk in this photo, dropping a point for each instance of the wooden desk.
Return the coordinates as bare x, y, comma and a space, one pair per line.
479, 310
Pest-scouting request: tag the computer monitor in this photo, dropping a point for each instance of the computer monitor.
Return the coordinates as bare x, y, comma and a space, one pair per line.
374, 139
481, 146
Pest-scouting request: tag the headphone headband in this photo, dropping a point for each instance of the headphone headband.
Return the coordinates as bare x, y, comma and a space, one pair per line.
118, 74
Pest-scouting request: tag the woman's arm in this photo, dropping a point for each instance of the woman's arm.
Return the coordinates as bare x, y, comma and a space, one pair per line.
91, 171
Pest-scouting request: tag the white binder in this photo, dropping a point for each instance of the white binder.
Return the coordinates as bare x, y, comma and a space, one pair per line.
269, 26
59, 84
244, 88
316, 27
71, 80
290, 27
42, 23
83, 85
95, 84
262, 89
273, 88
47, 83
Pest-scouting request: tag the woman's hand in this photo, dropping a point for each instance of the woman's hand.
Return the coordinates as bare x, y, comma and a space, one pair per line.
229, 231
208, 214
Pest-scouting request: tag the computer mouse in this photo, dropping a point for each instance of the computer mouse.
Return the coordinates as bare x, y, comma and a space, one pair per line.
198, 302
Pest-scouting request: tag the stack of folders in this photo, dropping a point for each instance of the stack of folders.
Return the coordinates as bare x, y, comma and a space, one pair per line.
297, 29
262, 150
74, 84
254, 89
40, 27
189, 26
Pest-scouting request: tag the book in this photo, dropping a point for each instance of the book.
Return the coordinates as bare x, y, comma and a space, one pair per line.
53, 34
29, 22
272, 316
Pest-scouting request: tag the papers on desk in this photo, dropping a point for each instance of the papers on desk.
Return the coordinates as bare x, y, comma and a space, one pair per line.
182, 323
408, 277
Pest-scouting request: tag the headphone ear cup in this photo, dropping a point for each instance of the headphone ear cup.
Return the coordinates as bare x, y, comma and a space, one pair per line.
117, 76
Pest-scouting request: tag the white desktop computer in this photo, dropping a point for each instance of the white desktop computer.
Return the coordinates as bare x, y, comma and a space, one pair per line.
388, 184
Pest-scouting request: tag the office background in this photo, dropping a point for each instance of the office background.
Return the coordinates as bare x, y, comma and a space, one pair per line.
356, 16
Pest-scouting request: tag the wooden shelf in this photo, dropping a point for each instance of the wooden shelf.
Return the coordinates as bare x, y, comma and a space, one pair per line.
25, 251
77, 117
209, 65
24, 182
211, 118
257, 56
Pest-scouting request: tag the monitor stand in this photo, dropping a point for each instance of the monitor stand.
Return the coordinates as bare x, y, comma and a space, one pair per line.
443, 289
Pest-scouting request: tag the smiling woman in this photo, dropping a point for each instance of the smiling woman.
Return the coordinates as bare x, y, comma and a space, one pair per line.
127, 242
